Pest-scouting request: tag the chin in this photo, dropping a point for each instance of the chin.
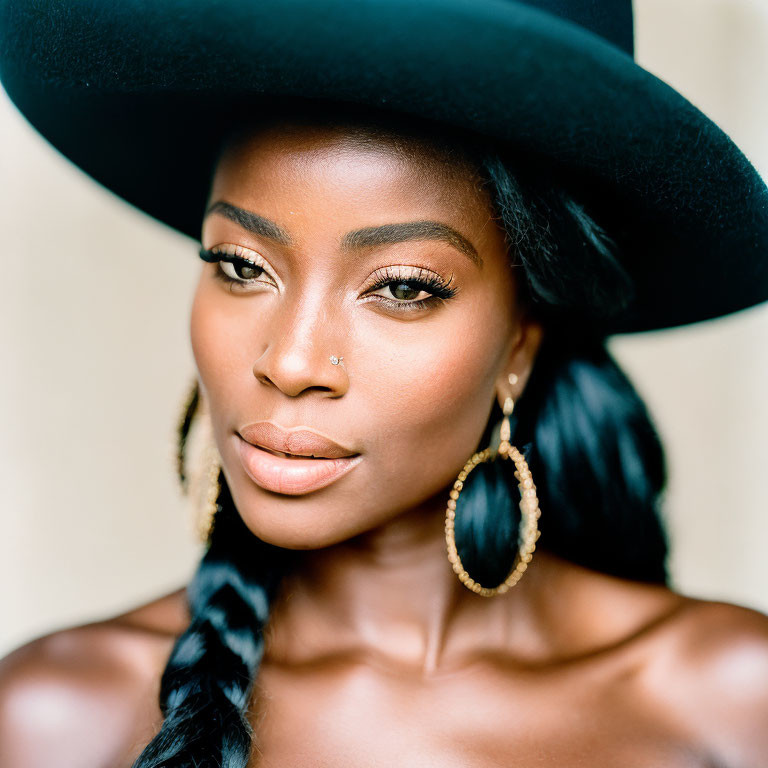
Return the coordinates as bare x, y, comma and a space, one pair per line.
309, 521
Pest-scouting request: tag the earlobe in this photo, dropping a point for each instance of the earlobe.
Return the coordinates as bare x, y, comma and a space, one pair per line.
519, 363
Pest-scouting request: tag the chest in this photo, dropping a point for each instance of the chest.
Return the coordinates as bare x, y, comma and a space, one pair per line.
355, 715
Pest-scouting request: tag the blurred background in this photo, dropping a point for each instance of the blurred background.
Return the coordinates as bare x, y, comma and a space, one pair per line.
96, 364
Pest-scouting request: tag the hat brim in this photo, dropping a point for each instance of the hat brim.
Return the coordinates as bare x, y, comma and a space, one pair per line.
134, 93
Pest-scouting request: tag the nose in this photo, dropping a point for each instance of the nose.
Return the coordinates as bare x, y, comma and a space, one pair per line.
302, 342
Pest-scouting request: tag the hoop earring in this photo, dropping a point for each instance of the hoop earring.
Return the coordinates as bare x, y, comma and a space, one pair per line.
207, 519
205, 488
528, 532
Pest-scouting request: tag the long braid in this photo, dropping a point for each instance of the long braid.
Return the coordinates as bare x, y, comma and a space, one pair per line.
207, 683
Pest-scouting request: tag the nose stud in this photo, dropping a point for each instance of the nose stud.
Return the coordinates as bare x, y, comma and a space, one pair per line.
336, 360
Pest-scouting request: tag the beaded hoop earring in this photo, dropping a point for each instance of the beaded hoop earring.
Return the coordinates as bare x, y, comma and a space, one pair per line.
529, 508
207, 519
205, 487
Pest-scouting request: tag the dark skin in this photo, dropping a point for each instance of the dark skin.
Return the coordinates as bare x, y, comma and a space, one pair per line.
376, 654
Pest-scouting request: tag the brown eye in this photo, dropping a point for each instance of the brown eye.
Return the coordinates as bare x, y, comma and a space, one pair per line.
241, 270
404, 291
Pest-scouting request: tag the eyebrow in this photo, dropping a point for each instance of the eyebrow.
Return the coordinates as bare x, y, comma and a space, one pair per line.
251, 221
359, 238
412, 230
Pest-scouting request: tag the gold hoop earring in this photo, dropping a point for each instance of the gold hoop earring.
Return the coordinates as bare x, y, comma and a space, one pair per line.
204, 487
207, 519
529, 508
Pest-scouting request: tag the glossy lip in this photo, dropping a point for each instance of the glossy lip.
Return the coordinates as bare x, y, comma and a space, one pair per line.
299, 441
291, 476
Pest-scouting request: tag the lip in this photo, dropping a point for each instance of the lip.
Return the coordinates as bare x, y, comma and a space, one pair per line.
326, 460
298, 441
291, 476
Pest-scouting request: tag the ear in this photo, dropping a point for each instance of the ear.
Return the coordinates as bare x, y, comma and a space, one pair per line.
523, 347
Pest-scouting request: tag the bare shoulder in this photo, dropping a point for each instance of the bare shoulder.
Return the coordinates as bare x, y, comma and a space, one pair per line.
709, 665
697, 668
87, 695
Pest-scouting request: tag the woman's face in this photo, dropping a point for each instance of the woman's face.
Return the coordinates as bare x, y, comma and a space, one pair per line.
351, 242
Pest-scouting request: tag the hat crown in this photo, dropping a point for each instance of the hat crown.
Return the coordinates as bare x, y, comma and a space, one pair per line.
611, 19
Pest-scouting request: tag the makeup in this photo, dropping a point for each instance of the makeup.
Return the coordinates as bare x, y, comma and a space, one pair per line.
291, 475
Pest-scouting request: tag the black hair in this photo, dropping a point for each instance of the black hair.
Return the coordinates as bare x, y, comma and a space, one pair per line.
594, 454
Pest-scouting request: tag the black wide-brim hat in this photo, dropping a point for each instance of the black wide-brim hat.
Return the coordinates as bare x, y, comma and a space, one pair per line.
135, 93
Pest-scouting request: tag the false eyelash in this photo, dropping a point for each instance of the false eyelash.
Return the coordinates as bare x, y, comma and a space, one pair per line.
216, 256
440, 288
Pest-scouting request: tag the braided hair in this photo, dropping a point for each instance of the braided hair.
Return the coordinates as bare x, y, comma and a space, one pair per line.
587, 436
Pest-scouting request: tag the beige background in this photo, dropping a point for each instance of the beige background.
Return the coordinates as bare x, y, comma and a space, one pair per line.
96, 361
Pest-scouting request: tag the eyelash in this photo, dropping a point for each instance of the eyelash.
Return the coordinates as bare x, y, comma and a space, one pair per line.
425, 281
217, 256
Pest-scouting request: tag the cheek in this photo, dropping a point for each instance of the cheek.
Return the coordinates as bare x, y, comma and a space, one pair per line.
216, 348
432, 400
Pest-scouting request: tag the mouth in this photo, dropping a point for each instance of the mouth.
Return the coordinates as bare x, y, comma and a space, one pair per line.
284, 455
292, 474
295, 443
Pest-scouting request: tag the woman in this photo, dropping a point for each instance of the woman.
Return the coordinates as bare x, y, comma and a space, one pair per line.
406, 297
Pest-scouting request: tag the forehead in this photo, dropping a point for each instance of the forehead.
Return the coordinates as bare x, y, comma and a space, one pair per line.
296, 162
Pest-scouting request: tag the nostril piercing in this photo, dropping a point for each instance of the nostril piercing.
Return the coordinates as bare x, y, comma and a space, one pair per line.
336, 360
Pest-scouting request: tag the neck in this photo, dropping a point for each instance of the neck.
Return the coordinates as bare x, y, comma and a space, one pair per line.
390, 593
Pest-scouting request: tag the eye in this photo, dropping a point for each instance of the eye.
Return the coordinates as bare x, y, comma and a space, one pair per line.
405, 288
241, 269
237, 266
